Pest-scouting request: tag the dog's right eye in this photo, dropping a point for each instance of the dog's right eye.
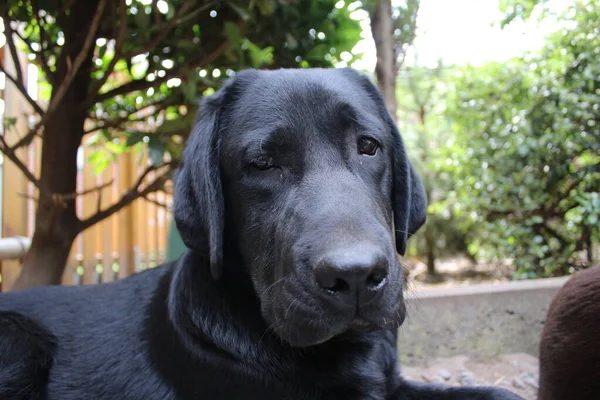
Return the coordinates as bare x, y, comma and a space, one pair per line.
367, 146
262, 162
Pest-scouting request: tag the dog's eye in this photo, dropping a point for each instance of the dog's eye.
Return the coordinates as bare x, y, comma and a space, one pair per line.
367, 146
262, 162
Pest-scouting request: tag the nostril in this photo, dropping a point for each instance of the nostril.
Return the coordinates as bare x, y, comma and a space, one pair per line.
352, 274
338, 286
333, 285
376, 278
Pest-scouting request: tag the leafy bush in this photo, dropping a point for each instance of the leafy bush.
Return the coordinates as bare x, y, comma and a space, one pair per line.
526, 153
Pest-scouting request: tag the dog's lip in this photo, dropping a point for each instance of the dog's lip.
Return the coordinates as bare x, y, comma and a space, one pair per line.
360, 322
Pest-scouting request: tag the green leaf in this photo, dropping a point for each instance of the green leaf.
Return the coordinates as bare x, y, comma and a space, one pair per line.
189, 87
232, 31
142, 21
116, 148
99, 161
241, 11
156, 150
134, 138
260, 57
291, 41
9, 122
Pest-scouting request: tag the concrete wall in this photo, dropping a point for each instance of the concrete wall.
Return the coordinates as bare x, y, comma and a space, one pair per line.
480, 320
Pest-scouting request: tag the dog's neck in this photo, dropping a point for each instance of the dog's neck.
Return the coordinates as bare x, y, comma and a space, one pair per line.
225, 313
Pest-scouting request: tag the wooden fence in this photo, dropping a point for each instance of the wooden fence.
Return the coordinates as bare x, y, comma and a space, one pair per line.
131, 240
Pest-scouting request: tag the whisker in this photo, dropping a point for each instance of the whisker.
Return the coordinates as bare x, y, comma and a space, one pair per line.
401, 231
289, 307
272, 285
268, 330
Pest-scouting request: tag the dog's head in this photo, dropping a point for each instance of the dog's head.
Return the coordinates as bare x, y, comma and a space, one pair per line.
303, 173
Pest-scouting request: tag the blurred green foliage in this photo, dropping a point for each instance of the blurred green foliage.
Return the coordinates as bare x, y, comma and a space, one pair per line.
174, 51
422, 95
517, 151
509, 152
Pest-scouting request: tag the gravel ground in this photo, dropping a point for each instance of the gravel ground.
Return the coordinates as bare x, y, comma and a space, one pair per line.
516, 372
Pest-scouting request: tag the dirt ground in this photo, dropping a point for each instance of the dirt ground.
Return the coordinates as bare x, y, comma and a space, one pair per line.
456, 272
516, 372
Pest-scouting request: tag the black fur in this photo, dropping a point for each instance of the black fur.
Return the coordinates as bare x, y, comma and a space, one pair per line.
240, 315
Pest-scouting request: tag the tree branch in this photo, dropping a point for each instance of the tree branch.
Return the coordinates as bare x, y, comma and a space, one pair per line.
114, 123
38, 109
191, 15
132, 194
141, 84
25, 140
157, 203
119, 40
79, 60
563, 242
430, 89
71, 196
155, 12
99, 201
28, 197
13, 49
68, 4
42, 61
61, 199
10, 153
64, 86
163, 32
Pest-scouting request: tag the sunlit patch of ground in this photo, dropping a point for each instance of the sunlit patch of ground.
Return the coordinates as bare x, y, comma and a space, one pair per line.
456, 272
516, 372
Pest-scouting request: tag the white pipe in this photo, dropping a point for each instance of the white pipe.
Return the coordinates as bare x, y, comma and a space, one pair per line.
14, 247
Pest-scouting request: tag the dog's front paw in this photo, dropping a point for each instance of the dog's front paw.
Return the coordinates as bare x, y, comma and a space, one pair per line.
411, 390
496, 393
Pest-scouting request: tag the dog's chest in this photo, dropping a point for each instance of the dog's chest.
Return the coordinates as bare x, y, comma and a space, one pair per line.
295, 387
343, 378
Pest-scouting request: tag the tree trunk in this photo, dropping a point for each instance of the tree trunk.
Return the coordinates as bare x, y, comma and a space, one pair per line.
56, 222
589, 246
44, 263
382, 27
430, 242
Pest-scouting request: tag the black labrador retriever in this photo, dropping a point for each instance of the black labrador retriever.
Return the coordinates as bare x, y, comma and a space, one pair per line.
294, 198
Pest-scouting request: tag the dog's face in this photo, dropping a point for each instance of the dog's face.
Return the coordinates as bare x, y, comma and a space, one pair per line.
304, 172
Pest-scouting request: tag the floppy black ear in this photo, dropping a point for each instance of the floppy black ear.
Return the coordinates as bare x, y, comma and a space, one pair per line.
198, 201
408, 194
409, 198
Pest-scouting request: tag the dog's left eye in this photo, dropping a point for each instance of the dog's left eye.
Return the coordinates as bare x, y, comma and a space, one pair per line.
262, 162
367, 146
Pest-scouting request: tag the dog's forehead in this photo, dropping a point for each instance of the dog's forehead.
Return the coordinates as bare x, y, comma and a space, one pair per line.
299, 100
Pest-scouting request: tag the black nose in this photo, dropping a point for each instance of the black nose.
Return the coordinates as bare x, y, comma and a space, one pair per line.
353, 275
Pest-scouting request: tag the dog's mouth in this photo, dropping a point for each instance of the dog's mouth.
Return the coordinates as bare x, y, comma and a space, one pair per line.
303, 319
359, 322
362, 325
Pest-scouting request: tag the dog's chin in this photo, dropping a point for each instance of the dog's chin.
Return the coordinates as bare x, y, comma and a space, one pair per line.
303, 321
307, 338
301, 332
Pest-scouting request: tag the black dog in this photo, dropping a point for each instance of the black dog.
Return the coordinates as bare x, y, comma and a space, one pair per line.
292, 185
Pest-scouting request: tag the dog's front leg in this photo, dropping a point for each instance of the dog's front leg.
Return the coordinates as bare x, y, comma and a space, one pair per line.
409, 390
